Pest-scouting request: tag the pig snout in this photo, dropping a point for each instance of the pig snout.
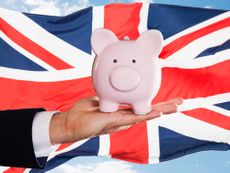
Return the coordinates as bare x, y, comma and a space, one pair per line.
124, 79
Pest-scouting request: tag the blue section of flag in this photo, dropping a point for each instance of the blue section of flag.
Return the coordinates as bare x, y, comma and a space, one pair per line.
213, 50
173, 145
12, 59
173, 19
75, 28
89, 148
225, 105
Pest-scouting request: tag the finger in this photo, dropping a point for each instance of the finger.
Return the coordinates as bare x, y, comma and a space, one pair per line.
176, 101
166, 108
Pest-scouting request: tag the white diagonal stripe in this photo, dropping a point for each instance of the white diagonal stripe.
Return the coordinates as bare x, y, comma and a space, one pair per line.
219, 110
44, 76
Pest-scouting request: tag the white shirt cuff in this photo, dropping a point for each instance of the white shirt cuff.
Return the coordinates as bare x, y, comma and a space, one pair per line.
40, 134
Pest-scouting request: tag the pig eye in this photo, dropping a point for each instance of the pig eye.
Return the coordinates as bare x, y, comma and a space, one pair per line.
114, 61
133, 61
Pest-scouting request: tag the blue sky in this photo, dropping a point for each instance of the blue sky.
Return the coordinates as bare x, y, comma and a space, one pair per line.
203, 162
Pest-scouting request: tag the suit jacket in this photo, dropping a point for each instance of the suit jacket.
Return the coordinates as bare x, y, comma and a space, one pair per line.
16, 145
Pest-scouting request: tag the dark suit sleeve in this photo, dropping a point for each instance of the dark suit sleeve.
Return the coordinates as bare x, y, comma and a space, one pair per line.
16, 145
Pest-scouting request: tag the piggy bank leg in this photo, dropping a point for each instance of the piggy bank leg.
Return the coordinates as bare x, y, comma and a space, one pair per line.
108, 106
142, 108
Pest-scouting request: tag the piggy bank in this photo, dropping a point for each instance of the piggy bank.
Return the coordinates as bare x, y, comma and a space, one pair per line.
125, 71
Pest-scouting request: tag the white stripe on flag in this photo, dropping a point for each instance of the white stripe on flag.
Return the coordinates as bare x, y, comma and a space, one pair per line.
97, 21
219, 110
153, 141
44, 76
143, 18
104, 145
98, 17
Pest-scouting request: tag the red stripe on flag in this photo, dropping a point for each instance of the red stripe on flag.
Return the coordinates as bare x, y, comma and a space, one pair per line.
127, 145
122, 19
193, 83
131, 144
32, 47
63, 146
15, 170
181, 42
210, 117
49, 95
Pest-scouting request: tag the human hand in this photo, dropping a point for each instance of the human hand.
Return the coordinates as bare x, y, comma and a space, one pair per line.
84, 120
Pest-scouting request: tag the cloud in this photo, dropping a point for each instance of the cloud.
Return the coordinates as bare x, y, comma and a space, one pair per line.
227, 162
52, 7
48, 7
68, 8
43, 7
55, 7
108, 166
208, 6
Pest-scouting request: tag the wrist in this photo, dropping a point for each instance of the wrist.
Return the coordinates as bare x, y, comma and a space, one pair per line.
58, 131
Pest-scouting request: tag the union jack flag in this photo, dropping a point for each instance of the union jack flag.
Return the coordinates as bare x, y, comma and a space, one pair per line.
45, 61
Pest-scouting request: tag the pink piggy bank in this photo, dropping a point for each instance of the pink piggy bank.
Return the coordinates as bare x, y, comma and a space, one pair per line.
125, 71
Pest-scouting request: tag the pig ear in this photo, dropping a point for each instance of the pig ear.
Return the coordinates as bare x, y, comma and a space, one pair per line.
152, 40
101, 38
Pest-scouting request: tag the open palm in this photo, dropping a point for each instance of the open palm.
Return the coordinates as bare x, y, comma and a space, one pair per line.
85, 120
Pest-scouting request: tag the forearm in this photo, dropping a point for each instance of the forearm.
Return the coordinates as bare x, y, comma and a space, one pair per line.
58, 129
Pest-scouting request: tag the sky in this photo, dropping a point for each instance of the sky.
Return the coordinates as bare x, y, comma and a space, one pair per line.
203, 162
